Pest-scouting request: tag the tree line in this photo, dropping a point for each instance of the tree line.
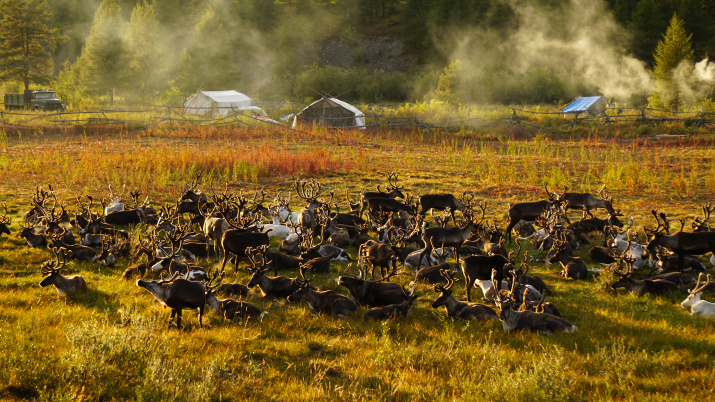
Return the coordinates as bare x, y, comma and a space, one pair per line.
143, 51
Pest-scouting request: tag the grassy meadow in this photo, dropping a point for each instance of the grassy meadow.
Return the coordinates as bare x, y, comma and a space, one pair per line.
111, 343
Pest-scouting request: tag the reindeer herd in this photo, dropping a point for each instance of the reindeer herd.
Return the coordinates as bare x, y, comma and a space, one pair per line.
392, 234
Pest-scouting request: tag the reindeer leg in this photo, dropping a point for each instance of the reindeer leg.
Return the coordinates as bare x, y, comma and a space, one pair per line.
171, 319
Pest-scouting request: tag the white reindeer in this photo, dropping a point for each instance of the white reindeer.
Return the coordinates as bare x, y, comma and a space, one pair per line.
697, 306
115, 203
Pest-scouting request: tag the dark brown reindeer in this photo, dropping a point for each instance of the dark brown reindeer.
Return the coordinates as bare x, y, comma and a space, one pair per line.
587, 201
639, 287
229, 309
375, 292
390, 311
704, 224
529, 211
572, 267
177, 294
681, 243
238, 240
4, 222
278, 287
51, 271
443, 202
376, 254
459, 309
395, 192
451, 237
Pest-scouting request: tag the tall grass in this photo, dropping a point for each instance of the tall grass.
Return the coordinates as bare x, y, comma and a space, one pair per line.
112, 342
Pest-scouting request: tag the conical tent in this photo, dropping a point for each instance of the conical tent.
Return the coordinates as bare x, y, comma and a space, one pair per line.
330, 112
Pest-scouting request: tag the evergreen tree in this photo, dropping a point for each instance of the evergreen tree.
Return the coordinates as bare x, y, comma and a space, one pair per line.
104, 60
675, 48
26, 42
144, 59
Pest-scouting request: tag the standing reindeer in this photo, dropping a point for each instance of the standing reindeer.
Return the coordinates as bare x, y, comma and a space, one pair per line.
529, 211
177, 294
681, 243
395, 192
587, 201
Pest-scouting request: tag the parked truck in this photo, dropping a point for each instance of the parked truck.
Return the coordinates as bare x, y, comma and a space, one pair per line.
34, 100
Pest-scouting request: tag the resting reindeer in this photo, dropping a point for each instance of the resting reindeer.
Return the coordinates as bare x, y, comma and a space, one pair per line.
229, 309
681, 243
390, 311
4, 221
697, 306
323, 302
52, 270
460, 309
544, 323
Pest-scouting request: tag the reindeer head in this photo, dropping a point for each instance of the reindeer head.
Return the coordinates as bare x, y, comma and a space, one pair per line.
4, 221
309, 191
51, 269
445, 292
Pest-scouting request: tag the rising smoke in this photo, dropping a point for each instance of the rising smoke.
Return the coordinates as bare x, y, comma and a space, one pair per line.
577, 37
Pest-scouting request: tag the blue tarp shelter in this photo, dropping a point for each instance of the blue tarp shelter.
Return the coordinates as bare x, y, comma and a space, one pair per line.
593, 105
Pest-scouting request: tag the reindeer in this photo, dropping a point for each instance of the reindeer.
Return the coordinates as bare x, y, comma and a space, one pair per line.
390, 311
306, 219
327, 302
697, 306
529, 211
572, 267
33, 235
229, 309
177, 294
278, 287
376, 254
451, 237
704, 224
51, 271
237, 241
639, 287
538, 307
543, 323
587, 201
665, 261
480, 267
459, 309
443, 202
115, 201
681, 243
213, 227
4, 221
375, 292
395, 192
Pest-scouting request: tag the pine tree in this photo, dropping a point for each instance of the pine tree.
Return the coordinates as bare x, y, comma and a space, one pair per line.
27, 42
104, 60
144, 59
675, 48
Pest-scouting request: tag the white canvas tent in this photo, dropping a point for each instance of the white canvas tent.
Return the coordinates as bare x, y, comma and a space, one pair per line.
217, 102
331, 112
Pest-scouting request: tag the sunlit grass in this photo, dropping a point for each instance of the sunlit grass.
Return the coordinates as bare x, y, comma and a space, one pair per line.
112, 342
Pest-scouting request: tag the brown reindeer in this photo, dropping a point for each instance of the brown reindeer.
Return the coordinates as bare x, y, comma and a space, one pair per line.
460, 309
51, 271
177, 294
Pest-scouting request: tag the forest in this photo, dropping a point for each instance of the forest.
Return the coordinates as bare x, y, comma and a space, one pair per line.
461, 51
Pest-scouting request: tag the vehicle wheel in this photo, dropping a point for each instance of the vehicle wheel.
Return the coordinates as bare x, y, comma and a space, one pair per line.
36, 108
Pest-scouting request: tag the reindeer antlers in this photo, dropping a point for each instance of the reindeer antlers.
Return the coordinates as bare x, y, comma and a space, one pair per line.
307, 194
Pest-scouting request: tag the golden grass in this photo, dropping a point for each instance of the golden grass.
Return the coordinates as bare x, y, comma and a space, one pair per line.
111, 343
